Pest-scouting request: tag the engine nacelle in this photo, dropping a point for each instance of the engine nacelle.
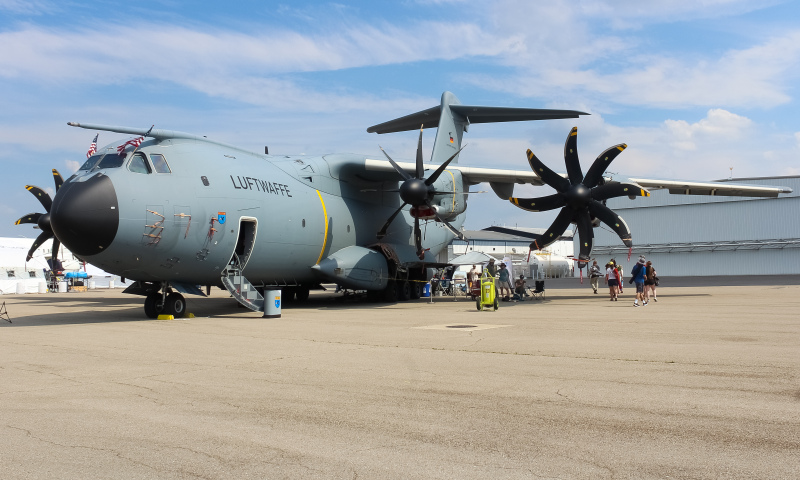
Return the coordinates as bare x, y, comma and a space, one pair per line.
450, 205
355, 267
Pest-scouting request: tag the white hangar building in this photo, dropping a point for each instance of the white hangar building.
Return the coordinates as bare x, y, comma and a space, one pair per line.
703, 235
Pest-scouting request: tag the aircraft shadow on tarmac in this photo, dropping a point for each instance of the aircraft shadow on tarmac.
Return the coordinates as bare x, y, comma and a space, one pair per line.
73, 309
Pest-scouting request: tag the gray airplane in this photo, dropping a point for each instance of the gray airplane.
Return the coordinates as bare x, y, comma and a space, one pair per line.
175, 211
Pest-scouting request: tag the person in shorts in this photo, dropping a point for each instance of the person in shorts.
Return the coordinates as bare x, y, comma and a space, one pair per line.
650, 282
504, 283
637, 277
612, 280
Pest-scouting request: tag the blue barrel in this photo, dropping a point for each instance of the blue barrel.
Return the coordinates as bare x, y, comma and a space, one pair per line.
272, 304
426, 290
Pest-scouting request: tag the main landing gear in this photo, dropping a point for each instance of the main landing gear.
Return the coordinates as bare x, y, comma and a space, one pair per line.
165, 302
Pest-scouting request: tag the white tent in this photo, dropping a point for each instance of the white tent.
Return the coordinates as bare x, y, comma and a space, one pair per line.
17, 275
472, 258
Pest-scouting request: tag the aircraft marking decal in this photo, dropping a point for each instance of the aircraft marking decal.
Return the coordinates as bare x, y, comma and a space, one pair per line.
325, 238
247, 183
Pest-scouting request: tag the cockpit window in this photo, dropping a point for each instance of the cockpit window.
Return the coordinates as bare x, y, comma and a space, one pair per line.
160, 163
91, 162
138, 164
108, 159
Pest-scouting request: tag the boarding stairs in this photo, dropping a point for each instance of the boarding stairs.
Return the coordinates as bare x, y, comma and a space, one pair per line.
242, 290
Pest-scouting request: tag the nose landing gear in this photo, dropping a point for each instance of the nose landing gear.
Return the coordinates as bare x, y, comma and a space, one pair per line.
165, 302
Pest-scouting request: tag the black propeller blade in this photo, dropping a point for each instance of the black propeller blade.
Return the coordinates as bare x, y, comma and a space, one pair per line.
42, 220
418, 192
580, 197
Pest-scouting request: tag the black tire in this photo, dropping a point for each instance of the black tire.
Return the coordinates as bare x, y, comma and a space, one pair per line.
374, 296
403, 291
478, 304
302, 293
495, 303
416, 290
288, 295
153, 306
390, 292
175, 305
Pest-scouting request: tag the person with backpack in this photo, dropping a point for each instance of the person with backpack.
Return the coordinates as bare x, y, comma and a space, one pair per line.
637, 278
612, 280
594, 275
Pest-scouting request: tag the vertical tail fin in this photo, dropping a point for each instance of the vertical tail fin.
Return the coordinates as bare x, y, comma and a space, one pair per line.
450, 132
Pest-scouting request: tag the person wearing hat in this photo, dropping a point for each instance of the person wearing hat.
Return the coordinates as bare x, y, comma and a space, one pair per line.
491, 268
504, 283
637, 278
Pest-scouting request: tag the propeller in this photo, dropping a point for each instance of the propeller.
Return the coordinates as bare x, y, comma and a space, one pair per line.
418, 192
42, 220
580, 197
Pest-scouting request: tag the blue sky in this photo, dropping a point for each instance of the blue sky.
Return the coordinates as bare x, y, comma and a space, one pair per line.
693, 87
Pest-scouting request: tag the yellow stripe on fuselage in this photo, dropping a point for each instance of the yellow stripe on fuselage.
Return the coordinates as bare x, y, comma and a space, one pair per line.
454, 189
325, 239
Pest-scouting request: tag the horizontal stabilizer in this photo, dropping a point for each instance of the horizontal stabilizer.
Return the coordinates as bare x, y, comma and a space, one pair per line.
430, 118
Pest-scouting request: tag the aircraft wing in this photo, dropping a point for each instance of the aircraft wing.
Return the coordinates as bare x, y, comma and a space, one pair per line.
502, 180
725, 188
471, 175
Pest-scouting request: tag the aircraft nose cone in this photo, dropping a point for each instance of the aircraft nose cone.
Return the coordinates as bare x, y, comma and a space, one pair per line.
85, 215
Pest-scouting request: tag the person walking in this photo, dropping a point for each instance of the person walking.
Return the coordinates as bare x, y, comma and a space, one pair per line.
594, 275
612, 280
650, 282
637, 278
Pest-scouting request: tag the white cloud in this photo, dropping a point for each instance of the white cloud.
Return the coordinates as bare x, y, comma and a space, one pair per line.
29, 7
244, 67
718, 125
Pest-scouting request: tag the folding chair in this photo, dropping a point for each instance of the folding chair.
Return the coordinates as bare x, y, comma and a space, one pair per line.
538, 292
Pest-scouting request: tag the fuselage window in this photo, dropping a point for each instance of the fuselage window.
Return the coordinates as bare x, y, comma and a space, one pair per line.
138, 164
160, 163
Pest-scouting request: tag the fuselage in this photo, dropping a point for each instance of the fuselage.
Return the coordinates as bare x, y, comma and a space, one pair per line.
179, 209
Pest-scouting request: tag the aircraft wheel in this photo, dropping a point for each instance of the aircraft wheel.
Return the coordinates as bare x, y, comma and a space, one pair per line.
390, 292
403, 291
153, 307
374, 296
416, 290
302, 293
175, 305
288, 294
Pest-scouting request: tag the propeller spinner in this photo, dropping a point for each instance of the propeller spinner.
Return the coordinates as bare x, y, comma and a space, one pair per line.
42, 220
418, 192
580, 197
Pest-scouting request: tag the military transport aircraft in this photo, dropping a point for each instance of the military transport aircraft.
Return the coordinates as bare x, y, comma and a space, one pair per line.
174, 211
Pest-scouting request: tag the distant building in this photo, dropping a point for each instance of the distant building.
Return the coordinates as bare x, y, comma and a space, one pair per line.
687, 235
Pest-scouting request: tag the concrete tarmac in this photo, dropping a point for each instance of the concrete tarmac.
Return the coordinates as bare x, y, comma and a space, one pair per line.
705, 383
